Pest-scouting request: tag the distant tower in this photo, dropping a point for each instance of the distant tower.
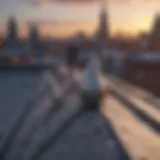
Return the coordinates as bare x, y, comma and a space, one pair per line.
12, 29
154, 40
103, 33
33, 36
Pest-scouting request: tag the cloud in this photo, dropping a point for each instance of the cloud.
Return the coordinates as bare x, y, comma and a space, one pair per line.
44, 2
37, 3
57, 22
66, 1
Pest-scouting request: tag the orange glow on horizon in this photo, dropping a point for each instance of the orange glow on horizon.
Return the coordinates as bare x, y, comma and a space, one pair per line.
90, 29
129, 17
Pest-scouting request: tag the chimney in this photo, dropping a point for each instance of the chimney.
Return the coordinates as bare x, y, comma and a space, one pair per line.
91, 91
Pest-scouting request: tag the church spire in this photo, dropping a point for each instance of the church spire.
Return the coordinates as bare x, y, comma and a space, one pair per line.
104, 7
102, 33
12, 28
154, 41
33, 35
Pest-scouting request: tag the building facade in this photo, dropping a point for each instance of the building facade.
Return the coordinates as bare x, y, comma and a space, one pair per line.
143, 71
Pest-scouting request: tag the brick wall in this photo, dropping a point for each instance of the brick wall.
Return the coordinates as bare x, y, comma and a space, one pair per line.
145, 74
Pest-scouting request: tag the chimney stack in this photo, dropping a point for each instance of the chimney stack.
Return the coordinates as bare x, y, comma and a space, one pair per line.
91, 91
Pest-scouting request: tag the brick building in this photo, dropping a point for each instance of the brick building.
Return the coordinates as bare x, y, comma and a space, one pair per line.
144, 71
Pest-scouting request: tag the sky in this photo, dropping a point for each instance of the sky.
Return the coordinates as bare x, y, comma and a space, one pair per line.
65, 17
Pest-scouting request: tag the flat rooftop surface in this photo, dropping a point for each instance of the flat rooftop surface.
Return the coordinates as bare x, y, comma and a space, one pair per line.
15, 89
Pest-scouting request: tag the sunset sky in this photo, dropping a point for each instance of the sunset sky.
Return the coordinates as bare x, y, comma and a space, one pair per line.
65, 17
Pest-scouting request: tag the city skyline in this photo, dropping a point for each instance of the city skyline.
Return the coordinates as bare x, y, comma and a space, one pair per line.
64, 19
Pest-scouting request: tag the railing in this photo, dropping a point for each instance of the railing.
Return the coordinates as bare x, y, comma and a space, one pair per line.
136, 117
136, 100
